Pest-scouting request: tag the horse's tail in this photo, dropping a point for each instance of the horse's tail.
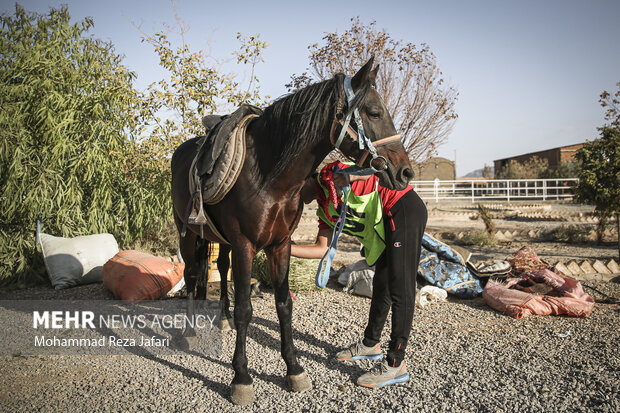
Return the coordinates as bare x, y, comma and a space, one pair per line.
204, 248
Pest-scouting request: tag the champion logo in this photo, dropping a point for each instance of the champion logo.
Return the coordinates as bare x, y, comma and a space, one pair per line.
398, 244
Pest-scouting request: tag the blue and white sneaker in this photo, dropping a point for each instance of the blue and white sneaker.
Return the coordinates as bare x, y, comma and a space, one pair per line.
384, 375
359, 351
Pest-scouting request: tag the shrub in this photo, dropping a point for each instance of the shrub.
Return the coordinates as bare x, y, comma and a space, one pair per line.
599, 177
478, 237
485, 215
67, 110
570, 234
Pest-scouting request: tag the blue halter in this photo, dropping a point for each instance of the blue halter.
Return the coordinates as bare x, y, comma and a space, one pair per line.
363, 141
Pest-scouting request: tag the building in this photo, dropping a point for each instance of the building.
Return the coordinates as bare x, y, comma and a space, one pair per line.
435, 168
555, 157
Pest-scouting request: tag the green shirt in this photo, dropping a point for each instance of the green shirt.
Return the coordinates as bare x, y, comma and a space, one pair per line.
364, 221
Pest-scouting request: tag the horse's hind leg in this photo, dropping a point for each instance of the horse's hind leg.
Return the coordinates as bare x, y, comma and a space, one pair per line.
223, 264
242, 390
278, 259
193, 251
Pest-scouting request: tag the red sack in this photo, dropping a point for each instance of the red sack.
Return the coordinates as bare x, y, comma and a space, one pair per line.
134, 276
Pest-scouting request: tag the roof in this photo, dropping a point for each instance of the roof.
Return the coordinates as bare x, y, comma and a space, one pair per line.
542, 150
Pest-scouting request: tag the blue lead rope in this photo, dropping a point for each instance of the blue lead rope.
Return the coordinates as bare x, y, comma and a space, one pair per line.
322, 273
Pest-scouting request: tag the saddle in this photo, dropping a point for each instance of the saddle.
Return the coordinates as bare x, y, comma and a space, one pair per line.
217, 164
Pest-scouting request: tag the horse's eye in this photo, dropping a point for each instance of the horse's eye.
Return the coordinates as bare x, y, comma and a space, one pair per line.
374, 114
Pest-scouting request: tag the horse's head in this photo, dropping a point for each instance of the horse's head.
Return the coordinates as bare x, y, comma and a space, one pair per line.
375, 143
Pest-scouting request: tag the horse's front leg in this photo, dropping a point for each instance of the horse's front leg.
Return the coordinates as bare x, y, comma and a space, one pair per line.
223, 264
242, 392
278, 259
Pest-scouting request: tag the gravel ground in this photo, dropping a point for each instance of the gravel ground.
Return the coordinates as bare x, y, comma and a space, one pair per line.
462, 356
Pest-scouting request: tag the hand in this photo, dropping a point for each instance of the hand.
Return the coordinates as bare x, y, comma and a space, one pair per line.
341, 180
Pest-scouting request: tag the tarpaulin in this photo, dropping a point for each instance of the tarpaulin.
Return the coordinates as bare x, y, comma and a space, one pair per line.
445, 268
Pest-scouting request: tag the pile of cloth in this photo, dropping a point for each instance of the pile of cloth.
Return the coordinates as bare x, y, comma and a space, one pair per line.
447, 267
520, 286
535, 289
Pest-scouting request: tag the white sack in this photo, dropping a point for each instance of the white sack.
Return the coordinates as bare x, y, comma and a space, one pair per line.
76, 261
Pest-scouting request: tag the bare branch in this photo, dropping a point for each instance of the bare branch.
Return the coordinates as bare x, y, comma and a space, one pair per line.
409, 81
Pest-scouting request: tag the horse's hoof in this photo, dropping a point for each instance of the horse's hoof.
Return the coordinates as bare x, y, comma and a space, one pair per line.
242, 394
228, 324
299, 382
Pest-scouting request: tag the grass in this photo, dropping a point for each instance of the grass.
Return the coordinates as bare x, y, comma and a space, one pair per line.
301, 273
570, 234
478, 237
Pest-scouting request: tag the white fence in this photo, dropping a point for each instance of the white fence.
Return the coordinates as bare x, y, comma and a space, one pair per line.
500, 189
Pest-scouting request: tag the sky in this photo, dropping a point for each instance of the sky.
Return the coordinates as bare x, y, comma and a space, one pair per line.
528, 73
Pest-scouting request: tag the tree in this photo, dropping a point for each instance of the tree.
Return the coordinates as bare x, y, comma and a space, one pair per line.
599, 175
487, 172
599, 178
172, 109
409, 81
567, 169
612, 104
67, 110
533, 168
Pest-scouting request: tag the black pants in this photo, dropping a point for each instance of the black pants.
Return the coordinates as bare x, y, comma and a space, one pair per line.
395, 276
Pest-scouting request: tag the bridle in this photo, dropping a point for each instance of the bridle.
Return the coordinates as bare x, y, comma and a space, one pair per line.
377, 163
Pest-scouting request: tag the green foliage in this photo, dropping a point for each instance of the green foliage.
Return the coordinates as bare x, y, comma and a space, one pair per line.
568, 169
172, 109
533, 168
599, 178
67, 108
570, 234
478, 237
611, 103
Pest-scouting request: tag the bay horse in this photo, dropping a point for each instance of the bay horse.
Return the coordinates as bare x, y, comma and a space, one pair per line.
284, 146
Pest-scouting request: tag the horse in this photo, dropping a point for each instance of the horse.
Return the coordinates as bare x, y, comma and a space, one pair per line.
284, 146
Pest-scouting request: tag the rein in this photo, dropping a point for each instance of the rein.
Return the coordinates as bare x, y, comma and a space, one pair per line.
359, 136
322, 272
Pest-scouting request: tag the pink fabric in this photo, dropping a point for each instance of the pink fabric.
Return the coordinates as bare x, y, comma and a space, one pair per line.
525, 260
572, 299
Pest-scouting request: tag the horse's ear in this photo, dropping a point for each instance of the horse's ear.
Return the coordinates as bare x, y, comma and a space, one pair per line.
362, 75
374, 72
373, 75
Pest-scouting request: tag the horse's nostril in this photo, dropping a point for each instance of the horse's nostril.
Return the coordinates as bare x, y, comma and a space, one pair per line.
407, 174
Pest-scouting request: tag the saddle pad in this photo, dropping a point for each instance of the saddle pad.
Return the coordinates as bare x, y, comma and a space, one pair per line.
213, 145
228, 166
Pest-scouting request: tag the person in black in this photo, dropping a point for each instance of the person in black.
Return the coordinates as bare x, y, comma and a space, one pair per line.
394, 283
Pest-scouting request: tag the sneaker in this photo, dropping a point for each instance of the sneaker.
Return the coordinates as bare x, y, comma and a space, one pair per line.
384, 375
359, 351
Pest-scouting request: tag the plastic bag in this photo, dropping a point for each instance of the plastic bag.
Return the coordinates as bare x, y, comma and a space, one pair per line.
430, 294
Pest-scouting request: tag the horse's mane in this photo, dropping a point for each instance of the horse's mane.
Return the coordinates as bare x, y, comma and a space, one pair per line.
298, 119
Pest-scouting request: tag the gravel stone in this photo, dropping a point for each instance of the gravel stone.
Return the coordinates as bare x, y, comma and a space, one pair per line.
462, 356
